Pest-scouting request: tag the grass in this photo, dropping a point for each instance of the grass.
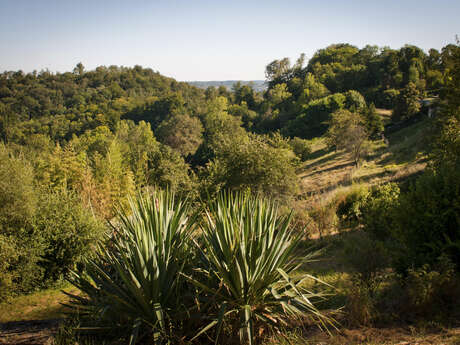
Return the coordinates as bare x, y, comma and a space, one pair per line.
41, 305
397, 157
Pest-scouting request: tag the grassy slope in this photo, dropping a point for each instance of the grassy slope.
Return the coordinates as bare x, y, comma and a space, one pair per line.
399, 156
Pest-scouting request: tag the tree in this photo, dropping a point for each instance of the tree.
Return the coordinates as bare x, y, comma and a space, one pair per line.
181, 132
313, 89
447, 143
407, 103
79, 69
372, 121
250, 162
347, 132
278, 71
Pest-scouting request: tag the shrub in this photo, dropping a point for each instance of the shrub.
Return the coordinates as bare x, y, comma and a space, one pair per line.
349, 205
389, 98
68, 231
135, 283
427, 221
20, 245
301, 147
252, 163
377, 210
249, 257
432, 290
368, 259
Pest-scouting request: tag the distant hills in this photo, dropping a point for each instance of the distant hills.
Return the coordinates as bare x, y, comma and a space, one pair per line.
257, 85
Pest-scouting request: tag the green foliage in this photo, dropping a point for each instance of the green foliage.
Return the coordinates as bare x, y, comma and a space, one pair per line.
301, 147
368, 260
313, 120
138, 283
68, 231
20, 245
135, 283
432, 290
181, 132
251, 163
378, 209
389, 98
63, 104
447, 143
168, 170
349, 205
42, 233
372, 121
347, 132
313, 89
407, 103
427, 222
249, 257
354, 101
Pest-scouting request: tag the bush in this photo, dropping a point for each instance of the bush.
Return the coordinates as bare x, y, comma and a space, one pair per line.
389, 98
251, 163
301, 147
20, 245
324, 216
427, 220
377, 210
249, 258
432, 290
136, 283
244, 279
68, 231
349, 205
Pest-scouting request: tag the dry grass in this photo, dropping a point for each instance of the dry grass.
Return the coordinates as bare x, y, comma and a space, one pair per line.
372, 336
400, 156
37, 306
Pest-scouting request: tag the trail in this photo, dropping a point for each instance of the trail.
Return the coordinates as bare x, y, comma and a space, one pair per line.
34, 332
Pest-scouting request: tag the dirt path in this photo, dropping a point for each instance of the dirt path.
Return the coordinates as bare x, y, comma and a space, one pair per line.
34, 332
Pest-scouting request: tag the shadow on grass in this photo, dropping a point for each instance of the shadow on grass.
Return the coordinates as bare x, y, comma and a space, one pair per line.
335, 167
322, 160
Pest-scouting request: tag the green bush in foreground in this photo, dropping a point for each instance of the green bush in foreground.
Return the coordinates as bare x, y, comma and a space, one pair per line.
250, 254
142, 283
135, 283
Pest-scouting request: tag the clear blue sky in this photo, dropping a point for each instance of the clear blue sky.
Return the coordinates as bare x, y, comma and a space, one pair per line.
209, 39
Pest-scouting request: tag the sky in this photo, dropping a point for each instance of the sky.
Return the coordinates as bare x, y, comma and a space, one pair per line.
209, 39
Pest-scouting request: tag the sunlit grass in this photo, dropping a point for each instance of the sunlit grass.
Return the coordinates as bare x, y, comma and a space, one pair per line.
36, 306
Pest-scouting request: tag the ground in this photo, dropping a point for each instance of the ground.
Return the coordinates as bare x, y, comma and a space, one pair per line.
397, 156
33, 319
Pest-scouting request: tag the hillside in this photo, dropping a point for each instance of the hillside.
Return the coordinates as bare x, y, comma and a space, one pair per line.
399, 156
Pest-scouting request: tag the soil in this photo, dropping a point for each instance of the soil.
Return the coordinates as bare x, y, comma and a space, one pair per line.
34, 332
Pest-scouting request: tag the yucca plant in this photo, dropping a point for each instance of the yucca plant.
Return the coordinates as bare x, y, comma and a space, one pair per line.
135, 281
250, 255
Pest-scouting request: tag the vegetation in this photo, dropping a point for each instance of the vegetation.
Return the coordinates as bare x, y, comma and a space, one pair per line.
244, 278
360, 147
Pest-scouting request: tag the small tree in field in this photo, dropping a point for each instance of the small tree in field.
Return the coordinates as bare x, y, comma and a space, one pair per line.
348, 132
